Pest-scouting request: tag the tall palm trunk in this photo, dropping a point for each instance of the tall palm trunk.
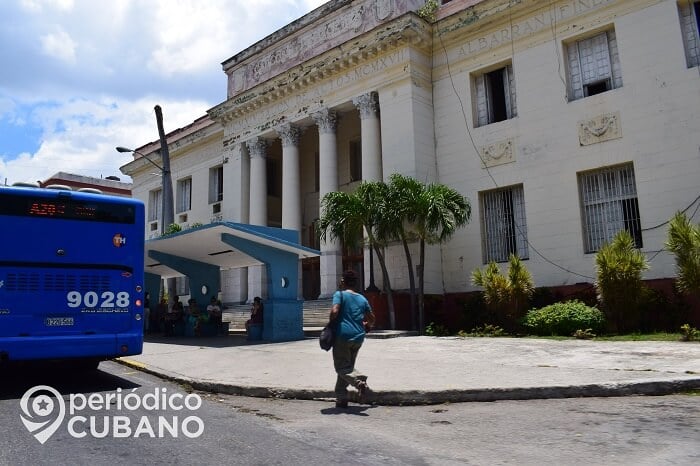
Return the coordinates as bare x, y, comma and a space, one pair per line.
411, 283
421, 288
387, 287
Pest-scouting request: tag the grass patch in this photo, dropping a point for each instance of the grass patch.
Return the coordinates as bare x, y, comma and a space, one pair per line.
660, 336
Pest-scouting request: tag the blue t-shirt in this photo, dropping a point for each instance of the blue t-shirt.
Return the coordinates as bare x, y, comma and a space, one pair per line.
350, 326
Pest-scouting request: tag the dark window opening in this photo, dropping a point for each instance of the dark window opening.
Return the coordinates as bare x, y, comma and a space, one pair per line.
495, 82
355, 161
597, 87
273, 188
630, 209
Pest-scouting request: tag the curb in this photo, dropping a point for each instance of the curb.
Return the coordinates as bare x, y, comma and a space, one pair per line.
415, 397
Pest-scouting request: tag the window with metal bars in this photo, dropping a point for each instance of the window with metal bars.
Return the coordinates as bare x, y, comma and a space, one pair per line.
594, 65
503, 224
609, 205
689, 13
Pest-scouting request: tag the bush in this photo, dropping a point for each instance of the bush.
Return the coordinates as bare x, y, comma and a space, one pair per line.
689, 333
436, 330
564, 319
487, 330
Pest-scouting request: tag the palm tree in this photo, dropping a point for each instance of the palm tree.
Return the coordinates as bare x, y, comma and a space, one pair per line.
431, 213
345, 216
684, 242
403, 194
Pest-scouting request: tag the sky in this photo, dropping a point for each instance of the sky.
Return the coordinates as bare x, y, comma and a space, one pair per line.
80, 77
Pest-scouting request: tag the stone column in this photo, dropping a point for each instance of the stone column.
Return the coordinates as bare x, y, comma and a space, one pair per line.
331, 254
258, 207
371, 137
291, 184
258, 181
371, 161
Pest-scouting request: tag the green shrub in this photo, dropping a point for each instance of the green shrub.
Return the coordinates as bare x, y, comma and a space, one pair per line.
619, 267
689, 333
564, 319
436, 330
172, 229
487, 330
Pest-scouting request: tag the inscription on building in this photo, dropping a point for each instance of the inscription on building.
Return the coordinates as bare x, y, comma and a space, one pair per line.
546, 19
320, 38
301, 102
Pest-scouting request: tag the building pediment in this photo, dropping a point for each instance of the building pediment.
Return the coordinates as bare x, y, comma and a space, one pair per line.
368, 53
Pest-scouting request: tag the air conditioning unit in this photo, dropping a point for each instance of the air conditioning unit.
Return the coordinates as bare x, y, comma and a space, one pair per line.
216, 218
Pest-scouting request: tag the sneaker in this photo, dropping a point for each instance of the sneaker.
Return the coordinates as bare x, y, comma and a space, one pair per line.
342, 404
363, 390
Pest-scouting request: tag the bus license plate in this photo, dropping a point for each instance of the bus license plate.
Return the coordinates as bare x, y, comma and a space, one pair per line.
58, 321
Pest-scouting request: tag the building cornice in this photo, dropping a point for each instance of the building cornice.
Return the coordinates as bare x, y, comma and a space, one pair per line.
407, 30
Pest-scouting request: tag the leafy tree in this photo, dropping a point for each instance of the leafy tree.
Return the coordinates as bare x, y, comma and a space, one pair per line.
619, 267
429, 213
345, 216
684, 242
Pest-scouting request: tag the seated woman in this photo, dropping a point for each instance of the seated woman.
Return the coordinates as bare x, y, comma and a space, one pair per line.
196, 316
173, 316
256, 314
214, 311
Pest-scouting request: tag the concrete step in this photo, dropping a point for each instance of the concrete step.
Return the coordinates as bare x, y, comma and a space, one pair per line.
315, 314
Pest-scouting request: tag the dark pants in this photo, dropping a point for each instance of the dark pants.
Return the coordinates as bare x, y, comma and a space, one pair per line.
344, 356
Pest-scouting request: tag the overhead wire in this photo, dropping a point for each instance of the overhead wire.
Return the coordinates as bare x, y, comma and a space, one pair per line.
483, 162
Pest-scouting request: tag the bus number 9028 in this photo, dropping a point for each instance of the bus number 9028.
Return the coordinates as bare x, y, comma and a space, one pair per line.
91, 299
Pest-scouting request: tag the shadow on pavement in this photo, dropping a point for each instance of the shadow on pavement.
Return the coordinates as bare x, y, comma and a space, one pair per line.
18, 378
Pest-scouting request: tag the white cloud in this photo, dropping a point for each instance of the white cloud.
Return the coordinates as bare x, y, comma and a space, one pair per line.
125, 57
59, 45
80, 136
39, 5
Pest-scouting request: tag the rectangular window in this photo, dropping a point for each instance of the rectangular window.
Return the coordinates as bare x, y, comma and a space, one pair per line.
495, 96
155, 205
503, 224
184, 195
355, 160
594, 65
609, 205
216, 184
690, 25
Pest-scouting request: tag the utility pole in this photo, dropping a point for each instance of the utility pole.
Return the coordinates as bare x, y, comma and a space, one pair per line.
168, 207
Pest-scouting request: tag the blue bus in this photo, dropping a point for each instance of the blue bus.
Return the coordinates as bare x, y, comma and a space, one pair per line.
71, 275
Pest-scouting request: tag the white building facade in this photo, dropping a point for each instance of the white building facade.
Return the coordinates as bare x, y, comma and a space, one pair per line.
562, 122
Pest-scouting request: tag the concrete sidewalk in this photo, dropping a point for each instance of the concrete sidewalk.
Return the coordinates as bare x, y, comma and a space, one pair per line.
425, 370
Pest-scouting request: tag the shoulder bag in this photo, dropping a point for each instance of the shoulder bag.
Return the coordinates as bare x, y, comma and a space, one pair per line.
327, 337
